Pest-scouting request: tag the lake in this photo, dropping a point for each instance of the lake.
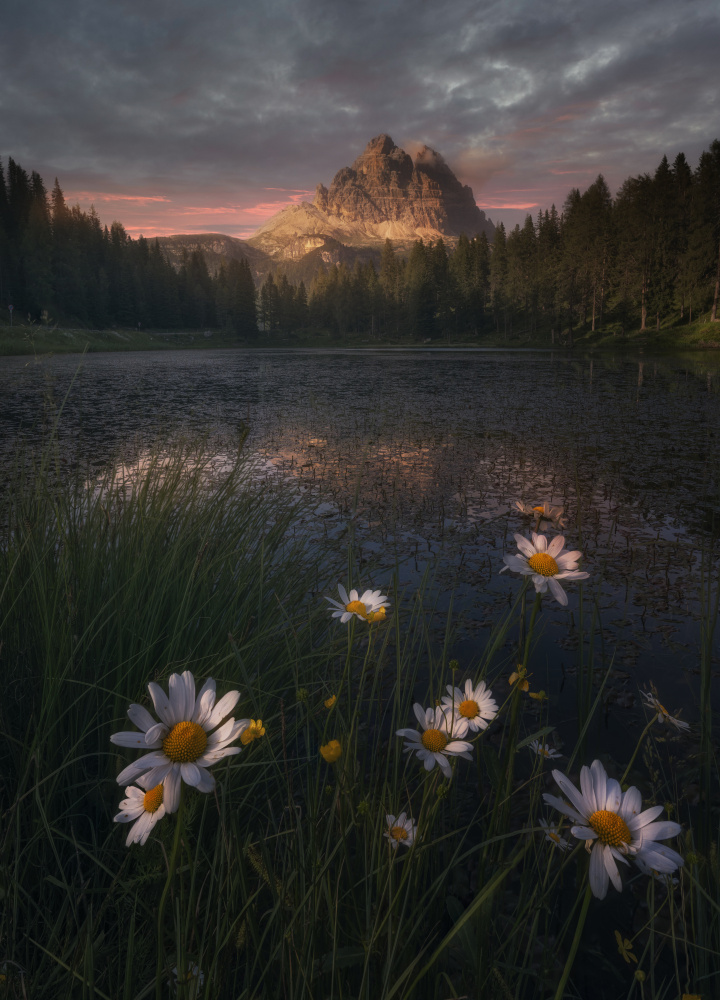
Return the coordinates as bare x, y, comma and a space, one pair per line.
418, 457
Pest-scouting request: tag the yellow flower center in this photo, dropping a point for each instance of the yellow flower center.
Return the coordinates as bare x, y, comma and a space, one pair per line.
185, 742
539, 510
610, 828
376, 616
153, 799
398, 833
469, 708
434, 740
253, 732
357, 607
554, 836
543, 564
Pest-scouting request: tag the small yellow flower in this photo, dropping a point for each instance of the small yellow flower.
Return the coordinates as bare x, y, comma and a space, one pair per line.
538, 695
376, 616
331, 751
520, 676
640, 975
625, 948
329, 702
253, 732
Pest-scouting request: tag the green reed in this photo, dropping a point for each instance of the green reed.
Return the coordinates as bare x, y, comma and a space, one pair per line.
281, 884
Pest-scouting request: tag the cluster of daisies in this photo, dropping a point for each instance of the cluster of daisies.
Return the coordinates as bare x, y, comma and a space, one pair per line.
194, 732
609, 821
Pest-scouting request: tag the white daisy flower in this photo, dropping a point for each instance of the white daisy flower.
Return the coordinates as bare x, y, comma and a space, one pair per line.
546, 564
400, 830
552, 835
365, 608
475, 704
183, 745
542, 750
612, 818
544, 512
438, 740
651, 701
146, 807
191, 982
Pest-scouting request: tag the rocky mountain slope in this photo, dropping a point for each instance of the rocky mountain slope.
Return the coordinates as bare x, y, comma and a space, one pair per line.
216, 247
384, 194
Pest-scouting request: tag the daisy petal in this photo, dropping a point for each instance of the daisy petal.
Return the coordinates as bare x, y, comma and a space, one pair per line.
556, 546
598, 874
171, 791
661, 831
572, 793
557, 591
612, 869
141, 717
190, 773
223, 708
129, 740
162, 704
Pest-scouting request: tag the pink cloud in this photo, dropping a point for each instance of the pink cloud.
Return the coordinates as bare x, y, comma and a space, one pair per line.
140, 199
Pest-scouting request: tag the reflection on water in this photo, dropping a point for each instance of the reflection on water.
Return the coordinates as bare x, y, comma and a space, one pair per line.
423, 455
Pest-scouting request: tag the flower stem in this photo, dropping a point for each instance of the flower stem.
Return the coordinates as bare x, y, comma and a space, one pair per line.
172, 864
639, 744
574, 946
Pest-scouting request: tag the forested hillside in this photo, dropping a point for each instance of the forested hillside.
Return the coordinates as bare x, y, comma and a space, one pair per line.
648, 256
60, 264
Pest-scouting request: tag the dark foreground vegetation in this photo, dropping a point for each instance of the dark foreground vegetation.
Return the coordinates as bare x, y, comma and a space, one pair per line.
647, 260
284, 881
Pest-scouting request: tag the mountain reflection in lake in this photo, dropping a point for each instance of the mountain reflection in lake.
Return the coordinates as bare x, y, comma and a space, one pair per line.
421, 456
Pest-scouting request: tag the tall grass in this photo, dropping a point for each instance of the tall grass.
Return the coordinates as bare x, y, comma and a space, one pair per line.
285, 885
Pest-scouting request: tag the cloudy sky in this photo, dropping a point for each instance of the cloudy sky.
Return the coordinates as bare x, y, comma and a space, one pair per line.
181, 116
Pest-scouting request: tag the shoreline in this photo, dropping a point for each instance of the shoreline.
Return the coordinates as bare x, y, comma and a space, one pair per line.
26, 341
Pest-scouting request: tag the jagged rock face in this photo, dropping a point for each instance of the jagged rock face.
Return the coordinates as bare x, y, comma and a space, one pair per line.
384, 186
384, 194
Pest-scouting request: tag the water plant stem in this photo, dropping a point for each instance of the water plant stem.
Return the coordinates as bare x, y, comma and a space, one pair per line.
559, 993
172, 864
643, 734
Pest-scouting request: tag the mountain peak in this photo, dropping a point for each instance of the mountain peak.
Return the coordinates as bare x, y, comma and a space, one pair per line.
384, 194
382, 145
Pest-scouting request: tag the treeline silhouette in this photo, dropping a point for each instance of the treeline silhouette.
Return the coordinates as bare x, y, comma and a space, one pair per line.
649, 256
59, 264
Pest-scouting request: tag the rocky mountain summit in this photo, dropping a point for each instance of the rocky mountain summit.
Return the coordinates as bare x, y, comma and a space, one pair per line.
384, 194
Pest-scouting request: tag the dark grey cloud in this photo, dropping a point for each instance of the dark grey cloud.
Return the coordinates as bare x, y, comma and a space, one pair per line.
209, 105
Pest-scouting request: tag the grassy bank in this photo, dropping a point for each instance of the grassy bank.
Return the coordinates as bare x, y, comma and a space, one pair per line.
281, 882
18, 340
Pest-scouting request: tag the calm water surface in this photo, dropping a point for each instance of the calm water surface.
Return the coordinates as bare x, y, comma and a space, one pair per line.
420, 456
